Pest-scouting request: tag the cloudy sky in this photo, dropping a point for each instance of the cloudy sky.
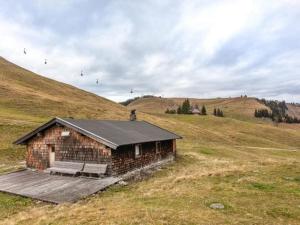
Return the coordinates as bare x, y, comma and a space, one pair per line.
197, 48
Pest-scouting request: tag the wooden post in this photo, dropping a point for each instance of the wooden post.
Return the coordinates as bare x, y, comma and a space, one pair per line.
174, 147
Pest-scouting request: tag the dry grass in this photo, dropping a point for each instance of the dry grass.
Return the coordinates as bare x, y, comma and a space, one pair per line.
294, 110
250, 166
25, 93
241, 108
257, 185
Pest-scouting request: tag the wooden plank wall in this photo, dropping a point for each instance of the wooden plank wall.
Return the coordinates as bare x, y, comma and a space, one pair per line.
75, 148
124, 160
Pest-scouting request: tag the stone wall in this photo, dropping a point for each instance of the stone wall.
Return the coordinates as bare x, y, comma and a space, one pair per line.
76, 148
124, 159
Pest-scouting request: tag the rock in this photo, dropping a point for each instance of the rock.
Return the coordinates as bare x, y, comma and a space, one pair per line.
288, 178
217, 206
122, 182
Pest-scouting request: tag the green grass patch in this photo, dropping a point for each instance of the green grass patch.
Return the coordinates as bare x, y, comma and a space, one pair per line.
281, 212
295, 191
262, 186
10, 204
12, 155
207, 151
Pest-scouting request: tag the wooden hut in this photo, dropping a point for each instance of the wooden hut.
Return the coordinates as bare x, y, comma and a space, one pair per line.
103, 147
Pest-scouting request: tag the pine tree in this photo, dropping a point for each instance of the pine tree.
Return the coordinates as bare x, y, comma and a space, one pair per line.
179, 110
203, 110
172, 111
218, 112
221, 113
186, 107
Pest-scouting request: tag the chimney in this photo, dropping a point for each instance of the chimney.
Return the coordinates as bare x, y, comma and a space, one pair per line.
132, 115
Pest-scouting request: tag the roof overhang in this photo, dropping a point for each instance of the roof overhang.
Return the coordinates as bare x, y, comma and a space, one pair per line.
25, 138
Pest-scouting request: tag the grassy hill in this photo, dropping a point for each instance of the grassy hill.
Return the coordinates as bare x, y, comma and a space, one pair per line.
251, 166
232, 107
242, 108
28, 94
294, 110
253, 169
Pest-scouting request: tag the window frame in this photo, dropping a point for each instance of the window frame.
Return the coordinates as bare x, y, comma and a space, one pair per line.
158, 147
139, 148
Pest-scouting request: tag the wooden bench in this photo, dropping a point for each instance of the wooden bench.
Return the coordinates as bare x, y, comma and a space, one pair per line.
94, 169
71, 168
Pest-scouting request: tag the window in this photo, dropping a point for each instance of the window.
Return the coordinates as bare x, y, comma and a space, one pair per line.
158, 147
65, 133
138, 151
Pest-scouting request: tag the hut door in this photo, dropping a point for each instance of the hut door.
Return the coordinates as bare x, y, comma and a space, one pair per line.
52, 155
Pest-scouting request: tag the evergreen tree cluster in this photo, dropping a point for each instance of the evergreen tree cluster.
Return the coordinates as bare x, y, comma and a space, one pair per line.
186, 108
278, 108
170, 111
278, 112
218, 112
289, 119
203, 110
262, 113
295, 104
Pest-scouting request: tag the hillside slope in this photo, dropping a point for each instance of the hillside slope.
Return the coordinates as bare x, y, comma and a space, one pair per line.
27, 93
253, 169
294, 110
232, 107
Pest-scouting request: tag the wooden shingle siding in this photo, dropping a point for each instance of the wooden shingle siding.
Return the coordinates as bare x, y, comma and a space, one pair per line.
77, 147
74, 148
124, 160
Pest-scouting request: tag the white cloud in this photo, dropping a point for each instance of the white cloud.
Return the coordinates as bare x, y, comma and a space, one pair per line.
211, 26
182, 48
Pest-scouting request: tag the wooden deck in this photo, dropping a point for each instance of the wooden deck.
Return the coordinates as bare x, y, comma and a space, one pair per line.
52, 188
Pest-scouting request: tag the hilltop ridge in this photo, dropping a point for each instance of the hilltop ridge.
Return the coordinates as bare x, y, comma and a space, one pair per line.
233, 107
236, 107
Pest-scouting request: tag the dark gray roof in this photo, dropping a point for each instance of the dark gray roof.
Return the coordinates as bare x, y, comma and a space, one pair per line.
113, 133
